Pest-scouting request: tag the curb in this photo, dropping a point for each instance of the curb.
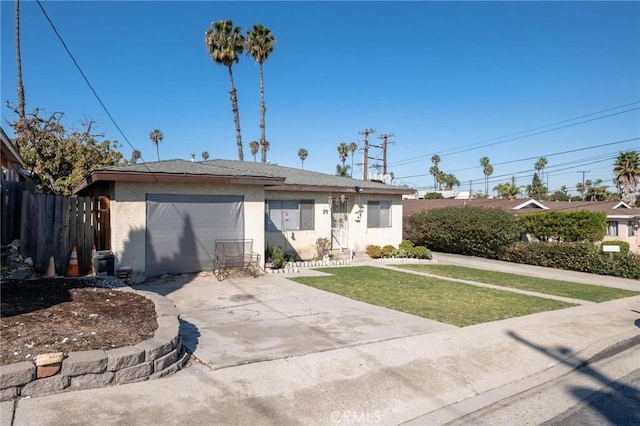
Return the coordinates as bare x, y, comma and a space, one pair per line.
596, 352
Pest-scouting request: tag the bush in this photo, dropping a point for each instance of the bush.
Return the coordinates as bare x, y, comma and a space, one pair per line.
583, 257
389, 251
565, 226
278, 257
433, 196
421, 252
323, 245
373, 251
472, 231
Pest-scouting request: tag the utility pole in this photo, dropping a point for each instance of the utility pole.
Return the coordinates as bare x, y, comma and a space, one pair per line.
365, 166
583, 188
384, 138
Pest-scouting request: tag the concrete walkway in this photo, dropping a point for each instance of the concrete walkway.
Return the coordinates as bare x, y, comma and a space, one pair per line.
269, 351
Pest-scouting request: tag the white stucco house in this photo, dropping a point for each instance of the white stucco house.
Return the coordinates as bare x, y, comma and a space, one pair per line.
165, 216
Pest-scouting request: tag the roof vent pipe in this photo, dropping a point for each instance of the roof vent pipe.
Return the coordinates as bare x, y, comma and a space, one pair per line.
193, 157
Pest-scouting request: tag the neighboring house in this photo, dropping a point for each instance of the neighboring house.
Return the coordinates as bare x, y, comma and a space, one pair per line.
12, 163
167, 215
623, 221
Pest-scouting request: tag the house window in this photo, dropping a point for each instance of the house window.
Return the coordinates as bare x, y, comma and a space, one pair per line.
378, 214
612, 228
289, 215
631, 228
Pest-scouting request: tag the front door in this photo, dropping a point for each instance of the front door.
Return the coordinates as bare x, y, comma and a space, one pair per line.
340, 224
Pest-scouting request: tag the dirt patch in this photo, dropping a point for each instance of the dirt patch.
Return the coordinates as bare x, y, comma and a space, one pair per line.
68, 314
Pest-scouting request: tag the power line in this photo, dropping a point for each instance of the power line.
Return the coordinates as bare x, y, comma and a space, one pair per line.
55, 30
473, 146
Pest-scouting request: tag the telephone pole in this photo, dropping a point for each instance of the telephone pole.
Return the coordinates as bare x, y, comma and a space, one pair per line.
583, 188
384, 138
365, 166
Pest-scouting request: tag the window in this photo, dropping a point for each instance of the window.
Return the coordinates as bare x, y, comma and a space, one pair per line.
378, 214
631, 228
289, 215
612, 228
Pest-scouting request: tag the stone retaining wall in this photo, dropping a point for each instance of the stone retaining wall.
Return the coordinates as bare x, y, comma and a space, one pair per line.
157, 357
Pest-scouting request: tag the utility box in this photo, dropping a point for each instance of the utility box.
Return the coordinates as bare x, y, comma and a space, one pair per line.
104, 263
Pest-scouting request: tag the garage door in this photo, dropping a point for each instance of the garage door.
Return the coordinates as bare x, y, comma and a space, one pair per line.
182, 229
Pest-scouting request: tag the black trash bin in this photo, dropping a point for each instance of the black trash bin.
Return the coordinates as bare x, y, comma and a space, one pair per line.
104, 263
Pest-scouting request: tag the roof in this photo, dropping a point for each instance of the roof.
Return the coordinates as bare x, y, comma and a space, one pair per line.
528, 205
9, 151
272, 176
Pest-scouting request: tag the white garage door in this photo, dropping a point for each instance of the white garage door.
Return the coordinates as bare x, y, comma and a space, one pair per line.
182, 229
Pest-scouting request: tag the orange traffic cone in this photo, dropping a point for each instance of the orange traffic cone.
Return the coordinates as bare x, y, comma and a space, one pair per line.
94, 253
73, 270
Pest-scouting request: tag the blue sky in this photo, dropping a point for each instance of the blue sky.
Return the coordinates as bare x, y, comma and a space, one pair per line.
447, 78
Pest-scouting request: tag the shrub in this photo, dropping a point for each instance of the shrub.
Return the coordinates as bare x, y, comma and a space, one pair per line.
565, 226
583, 257
473, 231
374, 251
433, 196
323, 245
278, 257
421, 252
389, 251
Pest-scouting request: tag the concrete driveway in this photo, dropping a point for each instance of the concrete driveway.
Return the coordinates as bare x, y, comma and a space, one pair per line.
243, 320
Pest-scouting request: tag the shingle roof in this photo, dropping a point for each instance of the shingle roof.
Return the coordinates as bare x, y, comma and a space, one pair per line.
271, 175
611, 208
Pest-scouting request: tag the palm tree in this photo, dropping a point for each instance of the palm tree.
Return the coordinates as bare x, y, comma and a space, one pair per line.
540, 165
353, 147
255, 147
259, 44
596, 191
302, 155
156, 137
343, 152
342, 170
225, 44
627, 175
449, 181
21, 101
135, 156
487, 169
508, 190
205, 155
435, 171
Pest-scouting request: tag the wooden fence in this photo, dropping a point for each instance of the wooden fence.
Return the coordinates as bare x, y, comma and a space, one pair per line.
11, 202
51, 225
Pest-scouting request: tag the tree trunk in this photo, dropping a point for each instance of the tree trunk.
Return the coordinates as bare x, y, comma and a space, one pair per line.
21, 102
263, 111
236, 115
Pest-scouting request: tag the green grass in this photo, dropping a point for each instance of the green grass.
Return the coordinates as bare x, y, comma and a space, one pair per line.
440, 300
588, 292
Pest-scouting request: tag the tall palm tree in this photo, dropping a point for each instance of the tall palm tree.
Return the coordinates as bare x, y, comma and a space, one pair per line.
265, 148
21, 101
487, 169
627, 175
205, 155
435, 171
255, 147
342, 170
259, 44
540, 165
343, 152
135, 156
156, 137
225, 44
353, 147
302, 155
508, 190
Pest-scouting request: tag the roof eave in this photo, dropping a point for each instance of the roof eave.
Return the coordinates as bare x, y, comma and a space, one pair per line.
336, 188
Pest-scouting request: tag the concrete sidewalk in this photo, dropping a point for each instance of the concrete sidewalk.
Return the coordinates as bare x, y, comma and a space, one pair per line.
394, 369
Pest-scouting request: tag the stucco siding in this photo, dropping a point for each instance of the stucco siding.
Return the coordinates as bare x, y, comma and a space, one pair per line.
128, 217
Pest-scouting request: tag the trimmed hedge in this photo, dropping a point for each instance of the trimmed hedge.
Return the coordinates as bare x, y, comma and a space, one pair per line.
582, 257
472, 231
566, 226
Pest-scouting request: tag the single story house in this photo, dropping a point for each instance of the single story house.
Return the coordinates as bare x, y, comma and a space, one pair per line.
12, 163
165, 216
623, 220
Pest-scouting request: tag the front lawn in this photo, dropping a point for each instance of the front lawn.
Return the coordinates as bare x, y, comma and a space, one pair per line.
433, 298
578, 291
